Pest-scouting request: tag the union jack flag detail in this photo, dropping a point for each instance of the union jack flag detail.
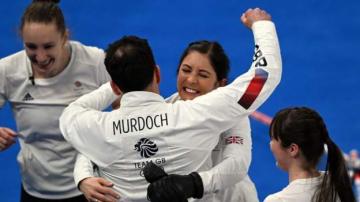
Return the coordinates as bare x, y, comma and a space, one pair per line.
234, 140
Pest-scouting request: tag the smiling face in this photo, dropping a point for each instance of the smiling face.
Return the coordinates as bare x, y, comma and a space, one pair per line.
196, 76
46, 48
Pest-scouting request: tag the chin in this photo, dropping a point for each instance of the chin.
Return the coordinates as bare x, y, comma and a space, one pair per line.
188, 97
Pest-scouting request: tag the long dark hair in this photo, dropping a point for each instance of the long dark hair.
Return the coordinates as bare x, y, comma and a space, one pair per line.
305, 127
216, 54
44, 11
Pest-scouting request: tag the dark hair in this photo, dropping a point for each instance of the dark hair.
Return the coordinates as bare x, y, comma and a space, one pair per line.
305, 127
216, 54
130, 63
44, 11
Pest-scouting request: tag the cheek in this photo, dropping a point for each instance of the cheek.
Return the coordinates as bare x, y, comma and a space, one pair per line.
179, 81
206, 86
56, 52
29, 52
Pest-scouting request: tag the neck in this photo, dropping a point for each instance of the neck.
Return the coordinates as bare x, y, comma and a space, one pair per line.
153, 87
296, 172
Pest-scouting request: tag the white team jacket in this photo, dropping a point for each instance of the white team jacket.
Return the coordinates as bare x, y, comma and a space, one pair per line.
178, 136
231, 159
46, 160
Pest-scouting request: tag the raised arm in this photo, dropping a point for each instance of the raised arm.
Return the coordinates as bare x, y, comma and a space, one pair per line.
249, 90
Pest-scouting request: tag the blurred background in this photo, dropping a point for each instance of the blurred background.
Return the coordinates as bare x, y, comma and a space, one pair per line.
318, 40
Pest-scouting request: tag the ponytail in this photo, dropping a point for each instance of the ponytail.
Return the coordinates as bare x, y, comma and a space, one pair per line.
306, 128
336, 181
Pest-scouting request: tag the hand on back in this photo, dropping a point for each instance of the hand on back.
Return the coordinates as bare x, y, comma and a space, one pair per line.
98, 189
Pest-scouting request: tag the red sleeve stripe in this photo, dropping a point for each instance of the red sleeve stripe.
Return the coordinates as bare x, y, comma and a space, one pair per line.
254, 88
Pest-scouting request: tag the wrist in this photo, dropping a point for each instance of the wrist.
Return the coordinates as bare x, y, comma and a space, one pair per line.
198, 185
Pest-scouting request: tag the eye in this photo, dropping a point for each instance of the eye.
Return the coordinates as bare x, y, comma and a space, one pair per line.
31, 46
48, 46
186, 69
204, 75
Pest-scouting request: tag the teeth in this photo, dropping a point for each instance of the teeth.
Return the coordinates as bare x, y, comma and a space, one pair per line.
45, 63
190, 90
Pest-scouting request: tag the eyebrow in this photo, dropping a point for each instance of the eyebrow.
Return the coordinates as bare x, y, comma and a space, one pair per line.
45, 44
201, 70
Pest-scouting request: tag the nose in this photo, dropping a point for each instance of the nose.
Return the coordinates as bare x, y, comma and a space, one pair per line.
192, 78
40, 55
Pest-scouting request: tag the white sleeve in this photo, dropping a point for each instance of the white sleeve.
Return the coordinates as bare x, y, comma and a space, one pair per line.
87, 109
235, 160
2, 84
273, 198
247, 92
83, 169
103, 75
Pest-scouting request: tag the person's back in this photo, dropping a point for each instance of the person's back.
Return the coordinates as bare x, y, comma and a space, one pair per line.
179, 136
299, 190
298, 137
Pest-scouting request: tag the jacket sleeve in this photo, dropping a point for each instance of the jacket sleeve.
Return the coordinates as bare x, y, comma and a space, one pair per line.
250, 90
234, 158
219, 108
83, 169
87, 110
2, 84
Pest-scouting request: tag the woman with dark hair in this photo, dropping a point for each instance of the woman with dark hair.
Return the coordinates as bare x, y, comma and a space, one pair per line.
39, 82
203, 67
298, 138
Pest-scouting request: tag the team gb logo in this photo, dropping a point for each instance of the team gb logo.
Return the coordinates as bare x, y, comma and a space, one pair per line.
146, 147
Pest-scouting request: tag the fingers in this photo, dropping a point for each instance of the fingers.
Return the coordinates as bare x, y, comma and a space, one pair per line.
152, 172
7, 138
104, 182
106, 189
252, 15
163, 190
103, 198
99, 189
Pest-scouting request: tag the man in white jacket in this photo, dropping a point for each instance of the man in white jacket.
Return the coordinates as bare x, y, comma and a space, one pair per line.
178, 137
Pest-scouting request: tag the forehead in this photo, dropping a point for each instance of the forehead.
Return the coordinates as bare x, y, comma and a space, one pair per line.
198, 60
40, 32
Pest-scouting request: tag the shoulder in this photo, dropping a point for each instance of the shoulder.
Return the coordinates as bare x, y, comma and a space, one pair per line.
172, 98
14, 64
88, 56
273, 198
88, 52
15, 58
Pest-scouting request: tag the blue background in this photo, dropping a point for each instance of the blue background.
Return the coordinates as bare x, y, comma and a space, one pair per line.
319, 41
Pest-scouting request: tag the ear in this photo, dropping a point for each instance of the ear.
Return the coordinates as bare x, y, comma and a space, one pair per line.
294, 150
115, 88
157, 74
66, 36
222, 82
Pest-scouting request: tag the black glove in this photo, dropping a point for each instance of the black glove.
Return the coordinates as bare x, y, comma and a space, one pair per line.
176, 188
152, 172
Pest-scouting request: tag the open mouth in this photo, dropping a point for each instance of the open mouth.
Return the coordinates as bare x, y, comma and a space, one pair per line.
44, 65
190, 90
